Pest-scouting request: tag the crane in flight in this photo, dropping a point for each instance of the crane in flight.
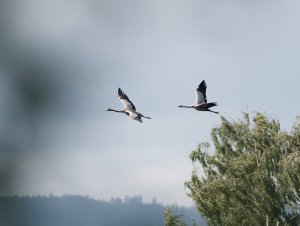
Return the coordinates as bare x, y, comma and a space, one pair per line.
129, 108
201, 101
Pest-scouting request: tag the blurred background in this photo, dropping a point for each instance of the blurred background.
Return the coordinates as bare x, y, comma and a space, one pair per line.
62, 61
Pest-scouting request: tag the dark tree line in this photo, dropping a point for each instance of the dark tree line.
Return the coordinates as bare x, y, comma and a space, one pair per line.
83, 211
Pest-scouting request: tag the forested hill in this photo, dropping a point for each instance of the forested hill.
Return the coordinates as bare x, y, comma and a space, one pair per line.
83, 211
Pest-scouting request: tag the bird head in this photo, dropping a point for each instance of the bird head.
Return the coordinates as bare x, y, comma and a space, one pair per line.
180, 106
109, 109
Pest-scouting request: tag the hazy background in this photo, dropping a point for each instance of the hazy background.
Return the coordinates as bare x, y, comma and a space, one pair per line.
62, 61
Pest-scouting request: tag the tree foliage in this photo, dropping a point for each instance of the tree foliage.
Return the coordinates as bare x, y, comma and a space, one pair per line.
172, 219
253, 176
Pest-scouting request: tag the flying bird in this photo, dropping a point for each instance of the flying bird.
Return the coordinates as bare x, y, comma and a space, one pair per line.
201, 101
129, 108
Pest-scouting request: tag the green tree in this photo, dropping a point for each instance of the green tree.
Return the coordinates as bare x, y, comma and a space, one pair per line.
252, 177
172, 219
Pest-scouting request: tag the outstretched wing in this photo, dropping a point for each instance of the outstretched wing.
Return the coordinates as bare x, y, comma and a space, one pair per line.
125, 100
201, 93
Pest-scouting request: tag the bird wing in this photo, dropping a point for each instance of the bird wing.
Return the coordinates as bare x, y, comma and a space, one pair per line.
201, 93
125, 100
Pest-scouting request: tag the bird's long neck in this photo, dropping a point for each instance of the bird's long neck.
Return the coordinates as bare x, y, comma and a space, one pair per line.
182, 106
121, 111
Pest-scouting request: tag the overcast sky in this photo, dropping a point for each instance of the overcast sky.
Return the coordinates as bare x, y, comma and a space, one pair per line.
157, 52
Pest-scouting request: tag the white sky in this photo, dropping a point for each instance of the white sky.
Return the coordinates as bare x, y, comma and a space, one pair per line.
157, 52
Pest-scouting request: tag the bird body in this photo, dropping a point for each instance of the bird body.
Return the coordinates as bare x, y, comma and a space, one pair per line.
129, 108
201, 100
